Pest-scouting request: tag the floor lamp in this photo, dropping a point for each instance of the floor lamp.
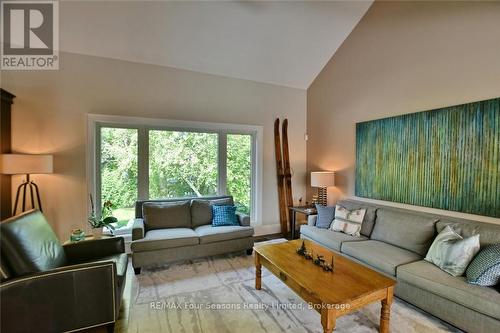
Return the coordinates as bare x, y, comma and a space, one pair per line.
18, 164
322, 180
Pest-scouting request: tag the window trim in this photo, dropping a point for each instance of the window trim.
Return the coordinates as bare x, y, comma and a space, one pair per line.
143, 125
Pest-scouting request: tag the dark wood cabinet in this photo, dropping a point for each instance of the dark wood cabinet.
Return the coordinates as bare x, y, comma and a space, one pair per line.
5, 148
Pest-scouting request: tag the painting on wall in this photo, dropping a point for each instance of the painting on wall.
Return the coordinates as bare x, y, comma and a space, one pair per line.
446, 158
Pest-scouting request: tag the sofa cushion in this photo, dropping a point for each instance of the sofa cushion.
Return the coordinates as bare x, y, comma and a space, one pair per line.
224, 216
328, 238
166, 238
368, 221
426, 276
325, 216
201, 210
484, 270
407, 230
29, 244
348, 221
489, 233
161, 215
209, 234
383, 256
451, 252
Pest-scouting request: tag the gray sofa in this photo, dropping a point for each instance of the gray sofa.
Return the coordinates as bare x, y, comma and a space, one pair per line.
178, 229
394, 242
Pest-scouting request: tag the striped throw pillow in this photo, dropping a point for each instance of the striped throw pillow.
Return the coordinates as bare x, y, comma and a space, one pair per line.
348, 221
224, 215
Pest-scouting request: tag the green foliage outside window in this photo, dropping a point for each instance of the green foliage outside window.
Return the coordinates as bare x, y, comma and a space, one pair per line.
181, 164
119, 170
239, 170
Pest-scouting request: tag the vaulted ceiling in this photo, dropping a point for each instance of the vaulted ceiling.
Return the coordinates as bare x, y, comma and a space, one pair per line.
284, 43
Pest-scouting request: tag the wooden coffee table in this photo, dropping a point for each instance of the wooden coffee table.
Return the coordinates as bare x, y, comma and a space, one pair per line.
350, 286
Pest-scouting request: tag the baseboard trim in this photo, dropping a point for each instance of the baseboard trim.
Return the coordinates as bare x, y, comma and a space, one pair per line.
267, 229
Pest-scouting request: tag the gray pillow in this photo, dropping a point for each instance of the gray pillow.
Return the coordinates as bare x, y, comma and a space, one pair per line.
201, 210
162, 215
451, 252
325, 216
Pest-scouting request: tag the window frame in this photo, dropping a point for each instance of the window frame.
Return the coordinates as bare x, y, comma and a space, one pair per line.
143, 125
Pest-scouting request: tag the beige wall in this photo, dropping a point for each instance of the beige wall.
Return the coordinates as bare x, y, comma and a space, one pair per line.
402, 57
50, 108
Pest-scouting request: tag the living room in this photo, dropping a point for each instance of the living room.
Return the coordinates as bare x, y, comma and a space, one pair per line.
149, 120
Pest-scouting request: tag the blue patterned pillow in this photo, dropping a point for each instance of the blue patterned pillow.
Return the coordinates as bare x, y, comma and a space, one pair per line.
224, 215
325, 216
484, 270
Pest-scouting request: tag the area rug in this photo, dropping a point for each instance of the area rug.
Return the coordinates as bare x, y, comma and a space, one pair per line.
217, 294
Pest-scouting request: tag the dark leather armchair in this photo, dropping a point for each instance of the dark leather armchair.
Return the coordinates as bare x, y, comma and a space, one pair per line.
46, 287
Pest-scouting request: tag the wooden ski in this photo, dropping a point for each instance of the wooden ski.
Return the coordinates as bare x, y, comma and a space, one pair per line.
287, 173
280, 177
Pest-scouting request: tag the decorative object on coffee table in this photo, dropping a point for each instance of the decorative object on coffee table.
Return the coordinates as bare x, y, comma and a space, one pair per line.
97, 223
350, 288
320, 260
18, 164
322, 180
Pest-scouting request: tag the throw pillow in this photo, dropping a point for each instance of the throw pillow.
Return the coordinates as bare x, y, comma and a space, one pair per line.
348, 221
484, 269
325, 216
451, 252
224, 215
201, 210
161, 215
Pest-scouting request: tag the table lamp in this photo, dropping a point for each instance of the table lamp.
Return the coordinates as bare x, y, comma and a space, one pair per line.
16, 164
322, 180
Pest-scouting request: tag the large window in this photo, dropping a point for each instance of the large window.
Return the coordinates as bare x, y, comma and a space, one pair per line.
118, 171
136, 158
239, 170
182, 164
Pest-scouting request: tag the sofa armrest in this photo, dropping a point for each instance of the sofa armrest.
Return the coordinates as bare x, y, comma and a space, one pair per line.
311, 220
243, 219
138, 229
60, 300
79, 252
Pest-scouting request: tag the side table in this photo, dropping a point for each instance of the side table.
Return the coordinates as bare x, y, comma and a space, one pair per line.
87, 238
293, 210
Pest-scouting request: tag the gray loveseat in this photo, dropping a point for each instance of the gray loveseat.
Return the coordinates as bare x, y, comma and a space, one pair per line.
178, 229
395, 241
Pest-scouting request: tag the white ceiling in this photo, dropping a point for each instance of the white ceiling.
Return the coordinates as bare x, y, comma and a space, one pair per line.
284, 43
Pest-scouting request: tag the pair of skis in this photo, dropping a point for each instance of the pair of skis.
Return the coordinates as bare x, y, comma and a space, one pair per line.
284, 174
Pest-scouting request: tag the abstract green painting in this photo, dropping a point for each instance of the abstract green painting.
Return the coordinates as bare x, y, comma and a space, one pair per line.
446, 158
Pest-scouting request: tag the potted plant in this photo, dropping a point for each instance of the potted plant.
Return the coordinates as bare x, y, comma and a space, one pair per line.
97, 223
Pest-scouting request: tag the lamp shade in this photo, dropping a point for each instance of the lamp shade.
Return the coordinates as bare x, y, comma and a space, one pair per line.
14, 164
322, 178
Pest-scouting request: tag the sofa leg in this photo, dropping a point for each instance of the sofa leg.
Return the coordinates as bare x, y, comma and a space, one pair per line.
110, 328
249, 252
137, 270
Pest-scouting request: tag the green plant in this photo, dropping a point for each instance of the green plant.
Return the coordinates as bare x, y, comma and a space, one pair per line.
106, 217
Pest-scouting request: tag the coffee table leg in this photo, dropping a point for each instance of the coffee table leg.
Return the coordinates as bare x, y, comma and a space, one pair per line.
258, 272
385, 312
328, 318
